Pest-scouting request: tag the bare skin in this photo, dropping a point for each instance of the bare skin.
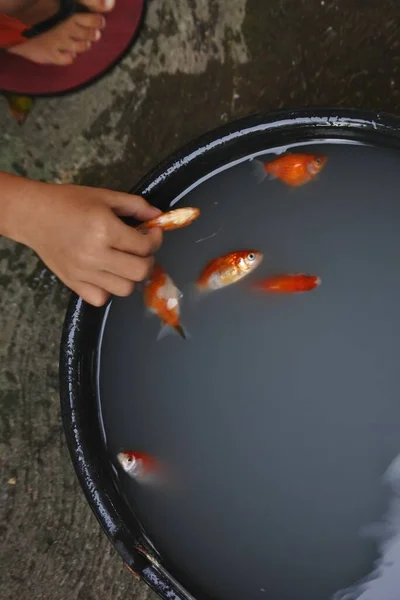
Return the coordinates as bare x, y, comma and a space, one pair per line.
76, 232
62, 44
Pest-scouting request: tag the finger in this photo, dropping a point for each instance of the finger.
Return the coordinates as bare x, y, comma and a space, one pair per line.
91, 293
128, 205
127, 239
90, 20
128, 266
81, 34
118, 286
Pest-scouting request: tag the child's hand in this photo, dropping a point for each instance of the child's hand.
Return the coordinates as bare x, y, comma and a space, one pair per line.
76, 232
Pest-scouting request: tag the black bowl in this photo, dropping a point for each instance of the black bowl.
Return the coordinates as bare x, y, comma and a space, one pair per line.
79, 347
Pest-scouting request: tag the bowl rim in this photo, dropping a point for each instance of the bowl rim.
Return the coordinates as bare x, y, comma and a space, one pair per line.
81, 329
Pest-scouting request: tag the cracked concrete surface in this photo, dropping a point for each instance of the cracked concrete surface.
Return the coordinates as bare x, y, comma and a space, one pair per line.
196, 64
88, 129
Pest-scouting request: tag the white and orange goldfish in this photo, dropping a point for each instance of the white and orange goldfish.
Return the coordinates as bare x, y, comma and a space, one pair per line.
228, 269
162, 298
173, 219
140, 466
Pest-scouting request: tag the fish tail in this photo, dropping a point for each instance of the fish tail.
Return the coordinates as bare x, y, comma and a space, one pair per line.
258, 287
259, 170
143, 228
194, 294
179, 329
270, 170
164, 331
174, 330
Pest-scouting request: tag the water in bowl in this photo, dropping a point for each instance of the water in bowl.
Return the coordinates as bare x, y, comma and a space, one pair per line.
280, 415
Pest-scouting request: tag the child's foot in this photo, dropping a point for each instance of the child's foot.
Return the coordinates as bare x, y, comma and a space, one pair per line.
62, 44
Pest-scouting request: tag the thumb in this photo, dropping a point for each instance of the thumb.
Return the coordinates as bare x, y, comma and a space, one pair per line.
128, 205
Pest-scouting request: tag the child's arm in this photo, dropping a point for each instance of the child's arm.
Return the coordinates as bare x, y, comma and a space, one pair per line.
76, 232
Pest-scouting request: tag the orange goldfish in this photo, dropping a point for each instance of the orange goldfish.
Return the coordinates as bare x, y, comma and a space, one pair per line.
288, 284
162, 298
292, 169
139, 465
228, 269
173, 219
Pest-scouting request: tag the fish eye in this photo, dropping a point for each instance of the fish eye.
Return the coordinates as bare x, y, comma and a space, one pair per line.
251, 256
318, 160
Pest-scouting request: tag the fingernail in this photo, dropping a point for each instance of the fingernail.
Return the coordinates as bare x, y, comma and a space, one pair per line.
108, 4
97, 35
103, 23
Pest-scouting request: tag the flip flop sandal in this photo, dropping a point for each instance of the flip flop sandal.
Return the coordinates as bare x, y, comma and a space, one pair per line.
20, 76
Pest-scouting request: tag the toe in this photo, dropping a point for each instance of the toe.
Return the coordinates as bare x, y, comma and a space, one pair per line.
64, 58
99, 5
85, 34
79, 47
90, 21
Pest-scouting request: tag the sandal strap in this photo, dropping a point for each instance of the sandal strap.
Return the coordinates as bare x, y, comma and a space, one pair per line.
67, 9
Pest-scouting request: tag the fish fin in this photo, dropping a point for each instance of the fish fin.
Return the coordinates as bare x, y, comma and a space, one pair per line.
195, 293
182, 332
259, 171
149, 312
167, 330
164, 331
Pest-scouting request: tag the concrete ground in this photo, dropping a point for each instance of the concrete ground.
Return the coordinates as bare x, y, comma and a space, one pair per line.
197, 64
